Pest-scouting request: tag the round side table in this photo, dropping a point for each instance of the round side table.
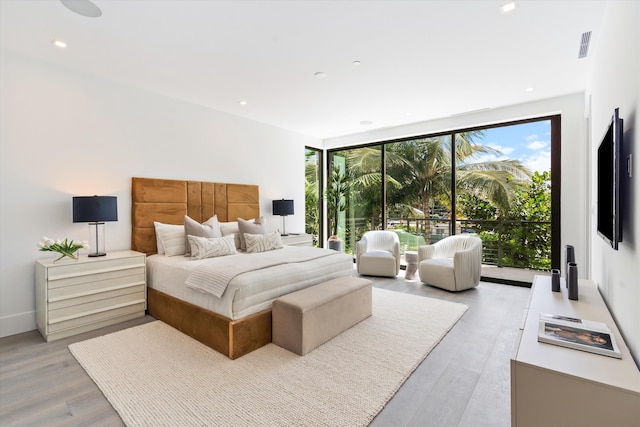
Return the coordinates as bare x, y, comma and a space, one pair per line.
411, 258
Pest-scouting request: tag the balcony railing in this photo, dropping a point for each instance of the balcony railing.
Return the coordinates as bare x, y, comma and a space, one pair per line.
506, 243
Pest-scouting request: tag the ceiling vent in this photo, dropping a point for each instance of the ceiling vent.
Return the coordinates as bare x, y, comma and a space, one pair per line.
584, 44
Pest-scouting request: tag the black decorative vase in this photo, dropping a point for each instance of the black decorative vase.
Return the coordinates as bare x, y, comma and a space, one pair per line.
572, 280
555, 280
569, 256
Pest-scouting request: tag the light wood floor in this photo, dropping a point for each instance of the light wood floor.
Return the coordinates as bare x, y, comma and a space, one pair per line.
464, 381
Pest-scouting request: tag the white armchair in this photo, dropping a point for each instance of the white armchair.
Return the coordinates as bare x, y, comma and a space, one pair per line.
378, 254
453, 263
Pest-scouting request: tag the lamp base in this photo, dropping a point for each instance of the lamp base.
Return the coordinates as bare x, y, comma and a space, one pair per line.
97, 254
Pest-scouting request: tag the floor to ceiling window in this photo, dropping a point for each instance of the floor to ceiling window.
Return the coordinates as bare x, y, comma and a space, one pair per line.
494, 181
503, 192
312, 192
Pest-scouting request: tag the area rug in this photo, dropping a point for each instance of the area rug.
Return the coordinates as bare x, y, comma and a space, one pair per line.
154, 375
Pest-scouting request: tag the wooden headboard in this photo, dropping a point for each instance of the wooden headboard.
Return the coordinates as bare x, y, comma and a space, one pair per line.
168, 201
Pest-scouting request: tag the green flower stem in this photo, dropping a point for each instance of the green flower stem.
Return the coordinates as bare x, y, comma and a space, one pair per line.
64, 254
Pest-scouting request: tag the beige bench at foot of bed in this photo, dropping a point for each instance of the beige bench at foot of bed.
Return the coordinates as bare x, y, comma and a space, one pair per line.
306, 319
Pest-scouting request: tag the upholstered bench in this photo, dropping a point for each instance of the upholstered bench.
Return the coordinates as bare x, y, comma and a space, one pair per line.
308, 318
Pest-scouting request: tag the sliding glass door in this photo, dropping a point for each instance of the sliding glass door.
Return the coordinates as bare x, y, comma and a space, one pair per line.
358, 173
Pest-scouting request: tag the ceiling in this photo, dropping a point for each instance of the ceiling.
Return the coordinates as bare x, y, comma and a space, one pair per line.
419, 60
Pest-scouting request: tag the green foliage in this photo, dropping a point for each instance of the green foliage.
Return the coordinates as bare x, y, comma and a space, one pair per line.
312, 194
336, 202
521, 236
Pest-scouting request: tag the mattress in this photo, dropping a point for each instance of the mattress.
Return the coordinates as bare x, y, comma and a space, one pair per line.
248, 292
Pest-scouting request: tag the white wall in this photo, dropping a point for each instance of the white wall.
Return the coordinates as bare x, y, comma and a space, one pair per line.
574, 226
65, 134
615, 82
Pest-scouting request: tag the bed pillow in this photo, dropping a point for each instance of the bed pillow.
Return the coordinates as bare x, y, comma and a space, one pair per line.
250, 227
231, 229
170, 239
263, 242
209, 228
210, 247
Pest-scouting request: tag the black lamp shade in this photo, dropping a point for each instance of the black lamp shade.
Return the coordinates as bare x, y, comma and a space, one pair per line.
283, 207
95, 208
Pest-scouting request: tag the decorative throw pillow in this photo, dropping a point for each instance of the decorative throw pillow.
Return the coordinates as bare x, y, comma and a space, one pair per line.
209, 228
231, 229
170, 238
263, 242
248, 227
209, 247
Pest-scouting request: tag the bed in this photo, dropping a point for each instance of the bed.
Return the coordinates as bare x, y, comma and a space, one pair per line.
239, 321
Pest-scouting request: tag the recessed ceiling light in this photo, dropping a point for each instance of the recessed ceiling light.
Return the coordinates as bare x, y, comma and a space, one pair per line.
508, 7
59, 43
356, 63
320, 75
242, 102
366, 122
529, 89
82, 7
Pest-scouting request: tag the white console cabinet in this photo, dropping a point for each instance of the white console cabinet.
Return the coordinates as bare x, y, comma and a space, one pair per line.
74, 296
557, 386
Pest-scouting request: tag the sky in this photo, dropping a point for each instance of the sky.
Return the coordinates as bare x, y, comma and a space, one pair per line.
528, 142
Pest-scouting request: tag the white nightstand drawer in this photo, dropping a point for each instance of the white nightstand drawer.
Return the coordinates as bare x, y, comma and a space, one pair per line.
68, 311
104, 298
91, 267
96, 287
100, 316
298, 240
105, 276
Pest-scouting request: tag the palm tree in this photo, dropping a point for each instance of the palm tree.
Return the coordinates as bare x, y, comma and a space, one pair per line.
336, 202
427, 174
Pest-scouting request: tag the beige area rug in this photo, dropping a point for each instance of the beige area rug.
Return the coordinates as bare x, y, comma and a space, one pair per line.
154, 375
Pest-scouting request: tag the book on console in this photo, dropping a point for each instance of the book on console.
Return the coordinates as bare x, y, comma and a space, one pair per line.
578, 334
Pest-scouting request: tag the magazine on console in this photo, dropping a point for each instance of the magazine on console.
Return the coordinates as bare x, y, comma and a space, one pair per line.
578, 334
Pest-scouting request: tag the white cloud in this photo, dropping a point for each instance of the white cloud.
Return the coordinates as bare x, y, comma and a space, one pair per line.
503, 150
536, 145
538, 162
531, 137
488, 158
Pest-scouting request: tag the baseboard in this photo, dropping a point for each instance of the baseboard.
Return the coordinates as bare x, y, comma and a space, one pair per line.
17, 323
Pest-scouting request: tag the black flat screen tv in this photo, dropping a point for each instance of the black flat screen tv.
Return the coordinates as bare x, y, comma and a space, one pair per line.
609, 215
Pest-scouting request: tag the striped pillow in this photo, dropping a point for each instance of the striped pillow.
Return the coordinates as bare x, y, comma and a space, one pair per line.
210, 247
263, 242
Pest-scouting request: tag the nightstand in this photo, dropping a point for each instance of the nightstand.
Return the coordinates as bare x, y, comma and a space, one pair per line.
74, 296
298, 240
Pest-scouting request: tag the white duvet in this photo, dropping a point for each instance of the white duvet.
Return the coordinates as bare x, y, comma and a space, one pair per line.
250, 291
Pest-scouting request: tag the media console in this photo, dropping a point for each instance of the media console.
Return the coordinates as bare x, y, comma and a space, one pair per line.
559, 386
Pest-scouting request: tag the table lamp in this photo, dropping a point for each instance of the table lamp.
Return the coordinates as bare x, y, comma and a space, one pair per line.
283, 208
95, 210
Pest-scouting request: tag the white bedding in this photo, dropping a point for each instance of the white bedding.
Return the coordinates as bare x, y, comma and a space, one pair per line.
248, 292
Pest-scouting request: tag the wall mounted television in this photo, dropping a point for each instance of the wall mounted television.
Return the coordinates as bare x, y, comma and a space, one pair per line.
609, 215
